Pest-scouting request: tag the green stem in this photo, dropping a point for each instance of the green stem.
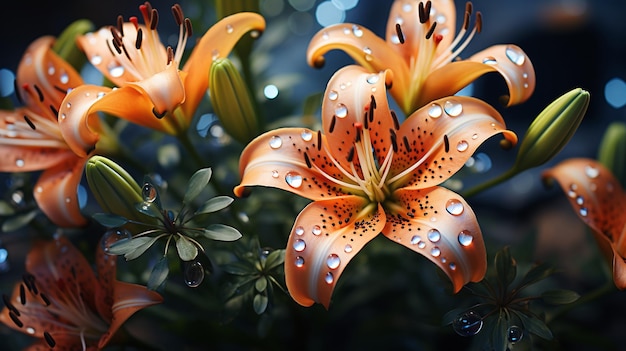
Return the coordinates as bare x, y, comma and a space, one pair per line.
603, 290
490, 183
184, 139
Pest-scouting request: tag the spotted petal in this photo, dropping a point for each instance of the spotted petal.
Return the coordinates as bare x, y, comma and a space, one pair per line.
440, 225
599, 200
437, 140
325, 237
218, 41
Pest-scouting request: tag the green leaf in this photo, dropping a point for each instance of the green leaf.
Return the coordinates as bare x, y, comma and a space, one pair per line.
535, 326
19, 221
197, 183
6, 209
261, 284
221, 232
499, 338
535, 274
260, 303
274, 259
132, 248
149, 209
187, 250
559, 296
239, 268
506, 267
214, 204
109, 220
159, 274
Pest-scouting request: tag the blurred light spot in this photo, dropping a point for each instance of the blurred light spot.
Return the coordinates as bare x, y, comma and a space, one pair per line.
91, 75
300, 23
6, 82
467, 91
204, 122
345, 4
270, 91
328, 14
272, 8
302, 5
615, 92
82, 196
168, 155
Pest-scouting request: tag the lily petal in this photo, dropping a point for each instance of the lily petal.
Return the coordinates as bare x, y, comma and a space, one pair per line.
325, 237
437, 140
165, 90
218, 41
56, 192
442, 227
106, 268
276, 159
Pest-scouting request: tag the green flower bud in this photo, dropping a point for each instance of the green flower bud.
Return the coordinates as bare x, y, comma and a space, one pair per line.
612, 151
552, 129
65, 45
114, 189
232, 101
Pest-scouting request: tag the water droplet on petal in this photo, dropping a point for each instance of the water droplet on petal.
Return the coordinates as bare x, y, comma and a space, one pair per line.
275, 174
333, 95
515, 55
333, 261
453, 108
462, 146
435, 111
435, 251
299, 245
317, 230
415, 239
347, 248
329, 279
357, 31
341, 111
276, 142
149, 192
452, 266
373, 79
465, 238
229, 28
434, 235
293, 179
367, 50
421, 244
30, 330
64, 78
454, 207
584, 212
96, 60
19, 162
299, 261
468, 324
116, 71
515, 334
580, 200
112, 236
490, 60
306, 135
591, 172
193, 273
299, 230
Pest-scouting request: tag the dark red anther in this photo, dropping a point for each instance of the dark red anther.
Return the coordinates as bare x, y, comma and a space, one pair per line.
120, 24
154, 19
177, 12
139, 39
134, 21
479, 22
399, 33
188, 27
437, 38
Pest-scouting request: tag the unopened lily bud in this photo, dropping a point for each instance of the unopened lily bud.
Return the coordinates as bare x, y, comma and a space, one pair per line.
232, 101
552, 129
65, 45
612, 151
114, 189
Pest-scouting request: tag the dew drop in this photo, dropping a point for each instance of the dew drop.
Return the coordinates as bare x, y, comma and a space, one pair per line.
112, 236
373, 79
96, 60
415, 239
329, 279
215, 54
474, 136
276, 142
367, 50
299, 230
30, 330
293, 179
19, 162
255, 34
435, 251
434, 235
453, 108
592, 172
299, 261
116, 71
468, 324
454, 207
275, 174
584, 212
333, 261
515, 334
51, 70
333, 95
229, 28
515, 55
465, 238
193, 273
149, 192
317, 230
490, 60
341, 111
347, 248
357, 31
462, 146
580, 200
452, 266
435, 111
306, 135
299, 245
64, 78
421, 244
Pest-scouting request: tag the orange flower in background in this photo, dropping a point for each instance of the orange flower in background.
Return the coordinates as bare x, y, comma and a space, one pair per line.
421, 50
30, 138
62, 302
151, 89
599, 200
367, 174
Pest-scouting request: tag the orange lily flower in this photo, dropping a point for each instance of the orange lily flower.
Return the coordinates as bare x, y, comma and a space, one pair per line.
30, 139
151, 89
599, 200
63, 303
367, 174
421, 50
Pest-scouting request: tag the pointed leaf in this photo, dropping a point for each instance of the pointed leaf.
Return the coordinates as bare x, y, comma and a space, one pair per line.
110, 220
274, 259
6, 209
535, 326
221, 232
559, 296
260, 284
260, 303
197, 183
535, 274
18, 221
159, 274
131, 248
214, 204
186, 249
238, 268
149, 209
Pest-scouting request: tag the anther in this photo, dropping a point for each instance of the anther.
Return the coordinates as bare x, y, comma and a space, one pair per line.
22, 294
170, 55
466, 20
178, 14
157, 114
469, 7
394, 142
120, 24
139, 39
351, 154
399, 33
39, 93
18, 93
424, 12
49, 340
479, 22
307, 160
15, 320
30, 123
319, 140
431, 30
407, 146
55, 112
396, 123
446, 143
188, 27
331, 128
154, 19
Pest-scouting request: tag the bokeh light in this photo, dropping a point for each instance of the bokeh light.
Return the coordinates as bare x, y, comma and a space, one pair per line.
328, 14
615, 92
6, 82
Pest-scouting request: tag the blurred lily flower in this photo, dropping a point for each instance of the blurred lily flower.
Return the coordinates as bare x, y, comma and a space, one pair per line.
367, 174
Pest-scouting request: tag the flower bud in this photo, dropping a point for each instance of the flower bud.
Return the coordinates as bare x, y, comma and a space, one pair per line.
552, 129
612, 151
232, 101
65, 45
